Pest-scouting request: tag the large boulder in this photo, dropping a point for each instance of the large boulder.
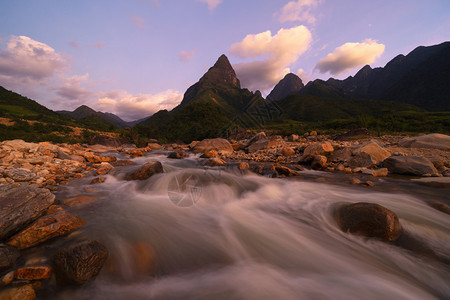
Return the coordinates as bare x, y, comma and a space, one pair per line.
410, 165
80, 263
146, 171
370, 220
220, 145
45, 228
20, 205
368, 155
104, 140
20, 145
319, 148
433, 141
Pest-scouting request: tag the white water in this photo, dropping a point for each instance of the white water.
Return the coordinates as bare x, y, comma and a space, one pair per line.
251, 237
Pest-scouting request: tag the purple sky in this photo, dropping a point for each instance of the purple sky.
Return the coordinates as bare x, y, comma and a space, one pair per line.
135, 57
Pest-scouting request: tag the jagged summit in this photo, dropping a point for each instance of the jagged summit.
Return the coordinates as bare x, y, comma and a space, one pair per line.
291, 84
221, 72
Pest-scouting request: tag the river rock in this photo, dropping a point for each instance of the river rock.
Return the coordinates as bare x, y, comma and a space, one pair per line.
62, 155
370, 220
285, 171
177, 154
8, 257
79, 263
45, 228
318, 148
20, 205
265, 144
220, 145
104, 168
146, 171
440, 206
20, 145
154, 146
368, 155
24, 292
410, 165
287, 151
122, 163
215, 161
210, 154
19, 175
73, 201
244, 166
432, 141
98, 180
33, 273
257, 137
293, 138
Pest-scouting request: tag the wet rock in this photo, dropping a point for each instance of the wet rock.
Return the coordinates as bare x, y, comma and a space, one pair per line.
215, 161
293, 138
244, 166
210, 154
319, 148
20, 205
122, 163
80, 263
257, 137
104, 168
33, 273
24, 292
98, 180
319, 162
8, 257
355, 180
285, 171
77, 158
62, 155
154, 146
368, 183
431, 141
45, 228
53, 209
265, 144
370, 220
383, 172
220, 145
73, 201
368, 155
410, 165
287, 151
146, 171
104, 140
6, 279
19, 175
440, 206
178, 154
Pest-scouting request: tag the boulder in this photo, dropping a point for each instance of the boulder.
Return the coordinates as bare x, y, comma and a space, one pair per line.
33, 273
210, 154
293, 138
24, 292
410, 165
146, 171
265, 144
432, 141
319, 148
368, 155
154, 146
177, 154
104, 168
122, 163
104, 140
20, 145
215, 161
19, 175
62, 155
45, 228
220, 145
8, 257
259, 136
80, 263
287, 151
370, 220
20, 205
440, 206
285, 171
319, 162
244, 166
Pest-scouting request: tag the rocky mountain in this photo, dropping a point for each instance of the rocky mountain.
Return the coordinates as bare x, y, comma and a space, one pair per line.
209, 108
88, 115
291, 84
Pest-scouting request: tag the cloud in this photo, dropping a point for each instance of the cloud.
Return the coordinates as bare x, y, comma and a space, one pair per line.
280, 51
186, 55
132, 107
212, 4
71, 89
27, 62
303, 76
74, 44
138, 21
99, 45
299, 10
349, 56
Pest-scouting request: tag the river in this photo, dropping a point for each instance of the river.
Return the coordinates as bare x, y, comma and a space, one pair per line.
206, 233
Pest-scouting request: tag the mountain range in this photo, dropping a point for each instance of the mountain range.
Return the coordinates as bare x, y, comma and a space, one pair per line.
87, 115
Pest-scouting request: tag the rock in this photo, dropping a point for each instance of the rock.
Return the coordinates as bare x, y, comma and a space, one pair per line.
98, 180
24, 292
178, 154
244, 166
440, 206
62, 155
79, 263
53, 209
146, 171
20, 205
410, 165
340, 168
355, 180
282, 170
370, 220
319, 148
368, 183
20, 145
380, 172
319, 162
368, 155
220, 145
287, 151
33, 273
193, 144
77, 158
313, 133
210, 154
215, 161
154, 146
264, 144
432, 141
19, 175
45, 228
293, 138
8, 257
122, 163
73, 201
104, 168
355, 134
257, 137
6, 279
104, 140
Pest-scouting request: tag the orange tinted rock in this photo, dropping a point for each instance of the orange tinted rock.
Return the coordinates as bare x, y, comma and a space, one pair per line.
282, 170
122, 163
24, 292
210, 154
33, 273
104, 168
287, 151
53, 209
98, 180
146, 171
45, 228
79, 200
243, 166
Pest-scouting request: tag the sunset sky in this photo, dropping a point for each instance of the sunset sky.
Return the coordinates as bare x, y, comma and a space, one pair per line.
135, 57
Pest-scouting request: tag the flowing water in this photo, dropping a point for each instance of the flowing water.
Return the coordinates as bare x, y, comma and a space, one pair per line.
196, 233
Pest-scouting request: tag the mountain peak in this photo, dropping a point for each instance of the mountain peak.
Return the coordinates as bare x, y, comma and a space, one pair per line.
222, 72
291, 84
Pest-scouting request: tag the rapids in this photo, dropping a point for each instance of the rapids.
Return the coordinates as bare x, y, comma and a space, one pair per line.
206, 233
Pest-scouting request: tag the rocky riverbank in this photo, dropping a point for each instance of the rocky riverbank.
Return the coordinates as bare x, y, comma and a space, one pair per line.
29, 172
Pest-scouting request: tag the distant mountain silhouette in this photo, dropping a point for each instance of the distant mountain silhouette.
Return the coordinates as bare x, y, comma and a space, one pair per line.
291, 84
88, 115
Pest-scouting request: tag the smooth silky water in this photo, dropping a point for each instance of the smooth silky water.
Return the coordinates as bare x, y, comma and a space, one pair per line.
205, 233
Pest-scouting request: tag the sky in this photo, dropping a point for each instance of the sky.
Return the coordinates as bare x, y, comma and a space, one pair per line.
135, 57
